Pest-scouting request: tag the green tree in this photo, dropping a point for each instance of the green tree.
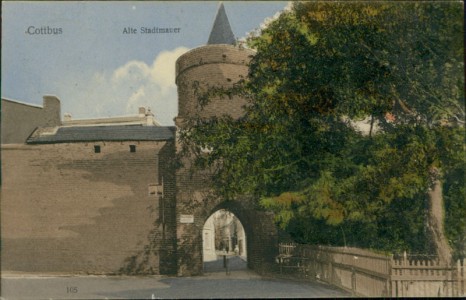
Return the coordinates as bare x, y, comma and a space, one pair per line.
319, 67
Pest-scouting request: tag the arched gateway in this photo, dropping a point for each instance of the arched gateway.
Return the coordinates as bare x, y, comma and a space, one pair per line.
259, 228
223, 237
219, 63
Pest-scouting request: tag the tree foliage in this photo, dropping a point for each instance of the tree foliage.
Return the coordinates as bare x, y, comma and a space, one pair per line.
319, 67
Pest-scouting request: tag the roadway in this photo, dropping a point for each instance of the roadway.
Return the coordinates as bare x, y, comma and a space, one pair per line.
240, 283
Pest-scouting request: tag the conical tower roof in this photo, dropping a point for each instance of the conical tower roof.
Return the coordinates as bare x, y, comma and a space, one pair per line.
221, 31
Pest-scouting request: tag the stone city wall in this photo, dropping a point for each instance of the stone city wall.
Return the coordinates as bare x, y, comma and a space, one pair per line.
68, 209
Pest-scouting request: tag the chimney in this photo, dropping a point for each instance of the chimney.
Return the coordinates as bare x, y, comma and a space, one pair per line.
51, 110
67, 117
150, 120
142, 112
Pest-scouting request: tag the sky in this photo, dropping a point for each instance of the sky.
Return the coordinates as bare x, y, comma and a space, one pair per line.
96, 69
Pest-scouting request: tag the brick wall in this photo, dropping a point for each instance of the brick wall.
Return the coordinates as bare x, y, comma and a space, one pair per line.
167, 211
192, 198
68, 209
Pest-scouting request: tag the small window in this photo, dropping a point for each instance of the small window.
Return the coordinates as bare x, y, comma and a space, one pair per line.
132, 148
96, 149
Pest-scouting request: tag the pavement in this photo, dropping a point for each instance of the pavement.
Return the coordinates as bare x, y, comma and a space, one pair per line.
215, 283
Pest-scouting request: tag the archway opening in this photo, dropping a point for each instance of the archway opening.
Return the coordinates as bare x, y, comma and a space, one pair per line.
224, 243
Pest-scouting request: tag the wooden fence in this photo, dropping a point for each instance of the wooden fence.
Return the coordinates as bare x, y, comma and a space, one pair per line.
365, 273
427, 278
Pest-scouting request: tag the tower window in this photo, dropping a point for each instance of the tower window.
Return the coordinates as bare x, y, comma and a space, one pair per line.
132, 148
96, 149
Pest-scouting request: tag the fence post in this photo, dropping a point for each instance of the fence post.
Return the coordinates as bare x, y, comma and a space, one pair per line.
459, 280
280, 261
462, 275
390, 273
331, 277
304, 264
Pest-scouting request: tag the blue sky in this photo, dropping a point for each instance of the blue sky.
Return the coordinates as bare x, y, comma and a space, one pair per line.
95, 69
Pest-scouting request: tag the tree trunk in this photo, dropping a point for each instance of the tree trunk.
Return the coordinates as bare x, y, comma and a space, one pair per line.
436, 219
372, 126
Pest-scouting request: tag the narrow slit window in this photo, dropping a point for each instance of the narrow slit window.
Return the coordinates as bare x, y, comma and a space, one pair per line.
132, 148
96, 149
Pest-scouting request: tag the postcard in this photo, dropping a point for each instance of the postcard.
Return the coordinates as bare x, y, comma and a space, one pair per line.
235, 149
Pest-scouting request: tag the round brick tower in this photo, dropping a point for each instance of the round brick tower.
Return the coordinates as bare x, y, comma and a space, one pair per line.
217, 64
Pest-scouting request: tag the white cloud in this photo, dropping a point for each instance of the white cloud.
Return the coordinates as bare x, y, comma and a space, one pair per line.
123, 90
267, 21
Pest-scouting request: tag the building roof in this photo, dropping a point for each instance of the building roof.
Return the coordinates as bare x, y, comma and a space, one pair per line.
22, 103
145, 117
221, 31
75, 134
